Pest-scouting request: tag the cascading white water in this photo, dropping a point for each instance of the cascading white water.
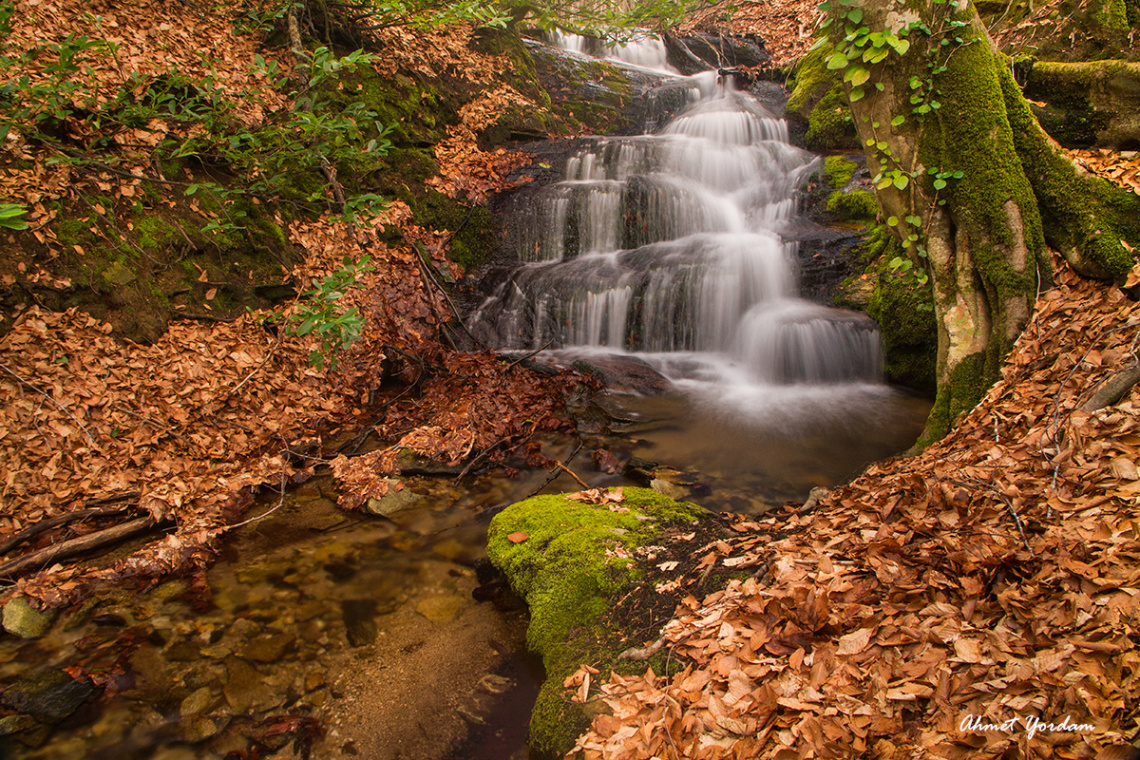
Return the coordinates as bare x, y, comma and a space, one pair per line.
668, 247
670, 242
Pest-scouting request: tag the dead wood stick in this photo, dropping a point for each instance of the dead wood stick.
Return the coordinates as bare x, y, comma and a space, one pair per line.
478, 458
554, 474
570, 472
1113, 389
256, 369
535, 352
426, 267
53, 522
48, 396
633, 653
76, 546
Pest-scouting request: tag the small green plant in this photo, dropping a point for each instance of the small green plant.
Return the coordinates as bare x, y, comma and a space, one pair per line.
10, 214
322, 317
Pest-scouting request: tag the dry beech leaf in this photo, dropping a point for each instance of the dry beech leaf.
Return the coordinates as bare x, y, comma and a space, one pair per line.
517, 537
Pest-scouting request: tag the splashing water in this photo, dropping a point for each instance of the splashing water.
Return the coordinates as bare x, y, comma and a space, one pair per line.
668, 245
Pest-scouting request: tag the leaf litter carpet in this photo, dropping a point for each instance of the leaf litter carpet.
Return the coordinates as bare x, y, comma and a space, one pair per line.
977, 600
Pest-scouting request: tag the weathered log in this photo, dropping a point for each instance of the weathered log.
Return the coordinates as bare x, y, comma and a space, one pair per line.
1113, 389
76, 546
52, 522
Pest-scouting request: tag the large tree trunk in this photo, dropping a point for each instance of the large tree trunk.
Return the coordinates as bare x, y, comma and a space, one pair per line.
971, 185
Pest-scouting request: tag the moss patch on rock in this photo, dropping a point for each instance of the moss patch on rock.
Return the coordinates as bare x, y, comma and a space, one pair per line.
855, 206
570, 561
819, 99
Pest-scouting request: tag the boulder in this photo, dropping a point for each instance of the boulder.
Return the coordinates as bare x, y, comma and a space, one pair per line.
23, 620
49, 695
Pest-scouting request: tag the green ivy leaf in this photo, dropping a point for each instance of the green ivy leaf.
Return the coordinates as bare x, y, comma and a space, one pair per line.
836, 61
855, 15
855, 94
892, 221
898, 120
857, 75
901, 181
939, 184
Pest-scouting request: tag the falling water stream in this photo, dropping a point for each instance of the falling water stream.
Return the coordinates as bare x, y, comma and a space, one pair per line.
671, 246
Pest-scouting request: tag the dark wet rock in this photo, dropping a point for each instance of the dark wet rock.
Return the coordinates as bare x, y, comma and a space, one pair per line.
360, 621
109, 619
625, 374
23, 620
11, 724
826, 257
182, 651
703, 51
640, 470
268, 647
340, 571
48, 695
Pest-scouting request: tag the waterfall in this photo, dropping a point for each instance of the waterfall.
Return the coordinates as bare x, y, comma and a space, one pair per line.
670, 242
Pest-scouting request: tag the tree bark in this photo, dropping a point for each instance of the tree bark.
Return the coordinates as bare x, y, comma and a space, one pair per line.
972, 187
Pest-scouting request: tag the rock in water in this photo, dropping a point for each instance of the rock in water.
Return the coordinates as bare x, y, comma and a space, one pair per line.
48, 695
23, 620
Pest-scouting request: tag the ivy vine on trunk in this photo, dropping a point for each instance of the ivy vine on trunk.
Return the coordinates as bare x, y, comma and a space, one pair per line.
972, 187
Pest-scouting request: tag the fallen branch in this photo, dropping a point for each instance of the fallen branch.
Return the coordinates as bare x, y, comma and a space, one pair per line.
1113, 389
524, 357
640, 655
556, 473
54, 522
570, 472
76, 546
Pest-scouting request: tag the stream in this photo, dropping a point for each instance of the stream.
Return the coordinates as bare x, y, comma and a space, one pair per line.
666, 254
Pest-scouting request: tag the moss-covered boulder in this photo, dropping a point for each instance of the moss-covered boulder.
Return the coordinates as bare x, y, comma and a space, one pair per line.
1087, 104
571, 561
819, 100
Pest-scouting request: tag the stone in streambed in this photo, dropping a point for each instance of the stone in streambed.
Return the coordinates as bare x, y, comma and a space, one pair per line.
23, 620
394, 501
441, 610
268, 647
48, 695
360, 621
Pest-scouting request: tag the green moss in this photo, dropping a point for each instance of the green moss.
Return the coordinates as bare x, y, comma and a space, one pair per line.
905, 313
856, 206
569, 569
1066, 91
975, 138
968, 382
1085, 216
838, 171
819, 98
154, 232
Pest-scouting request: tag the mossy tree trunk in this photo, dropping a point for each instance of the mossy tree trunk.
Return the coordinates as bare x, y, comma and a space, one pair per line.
970, 184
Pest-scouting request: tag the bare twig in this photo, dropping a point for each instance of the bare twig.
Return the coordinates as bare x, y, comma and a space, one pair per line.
46, 395
524, 357
554, 475
570, 472
263, 515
